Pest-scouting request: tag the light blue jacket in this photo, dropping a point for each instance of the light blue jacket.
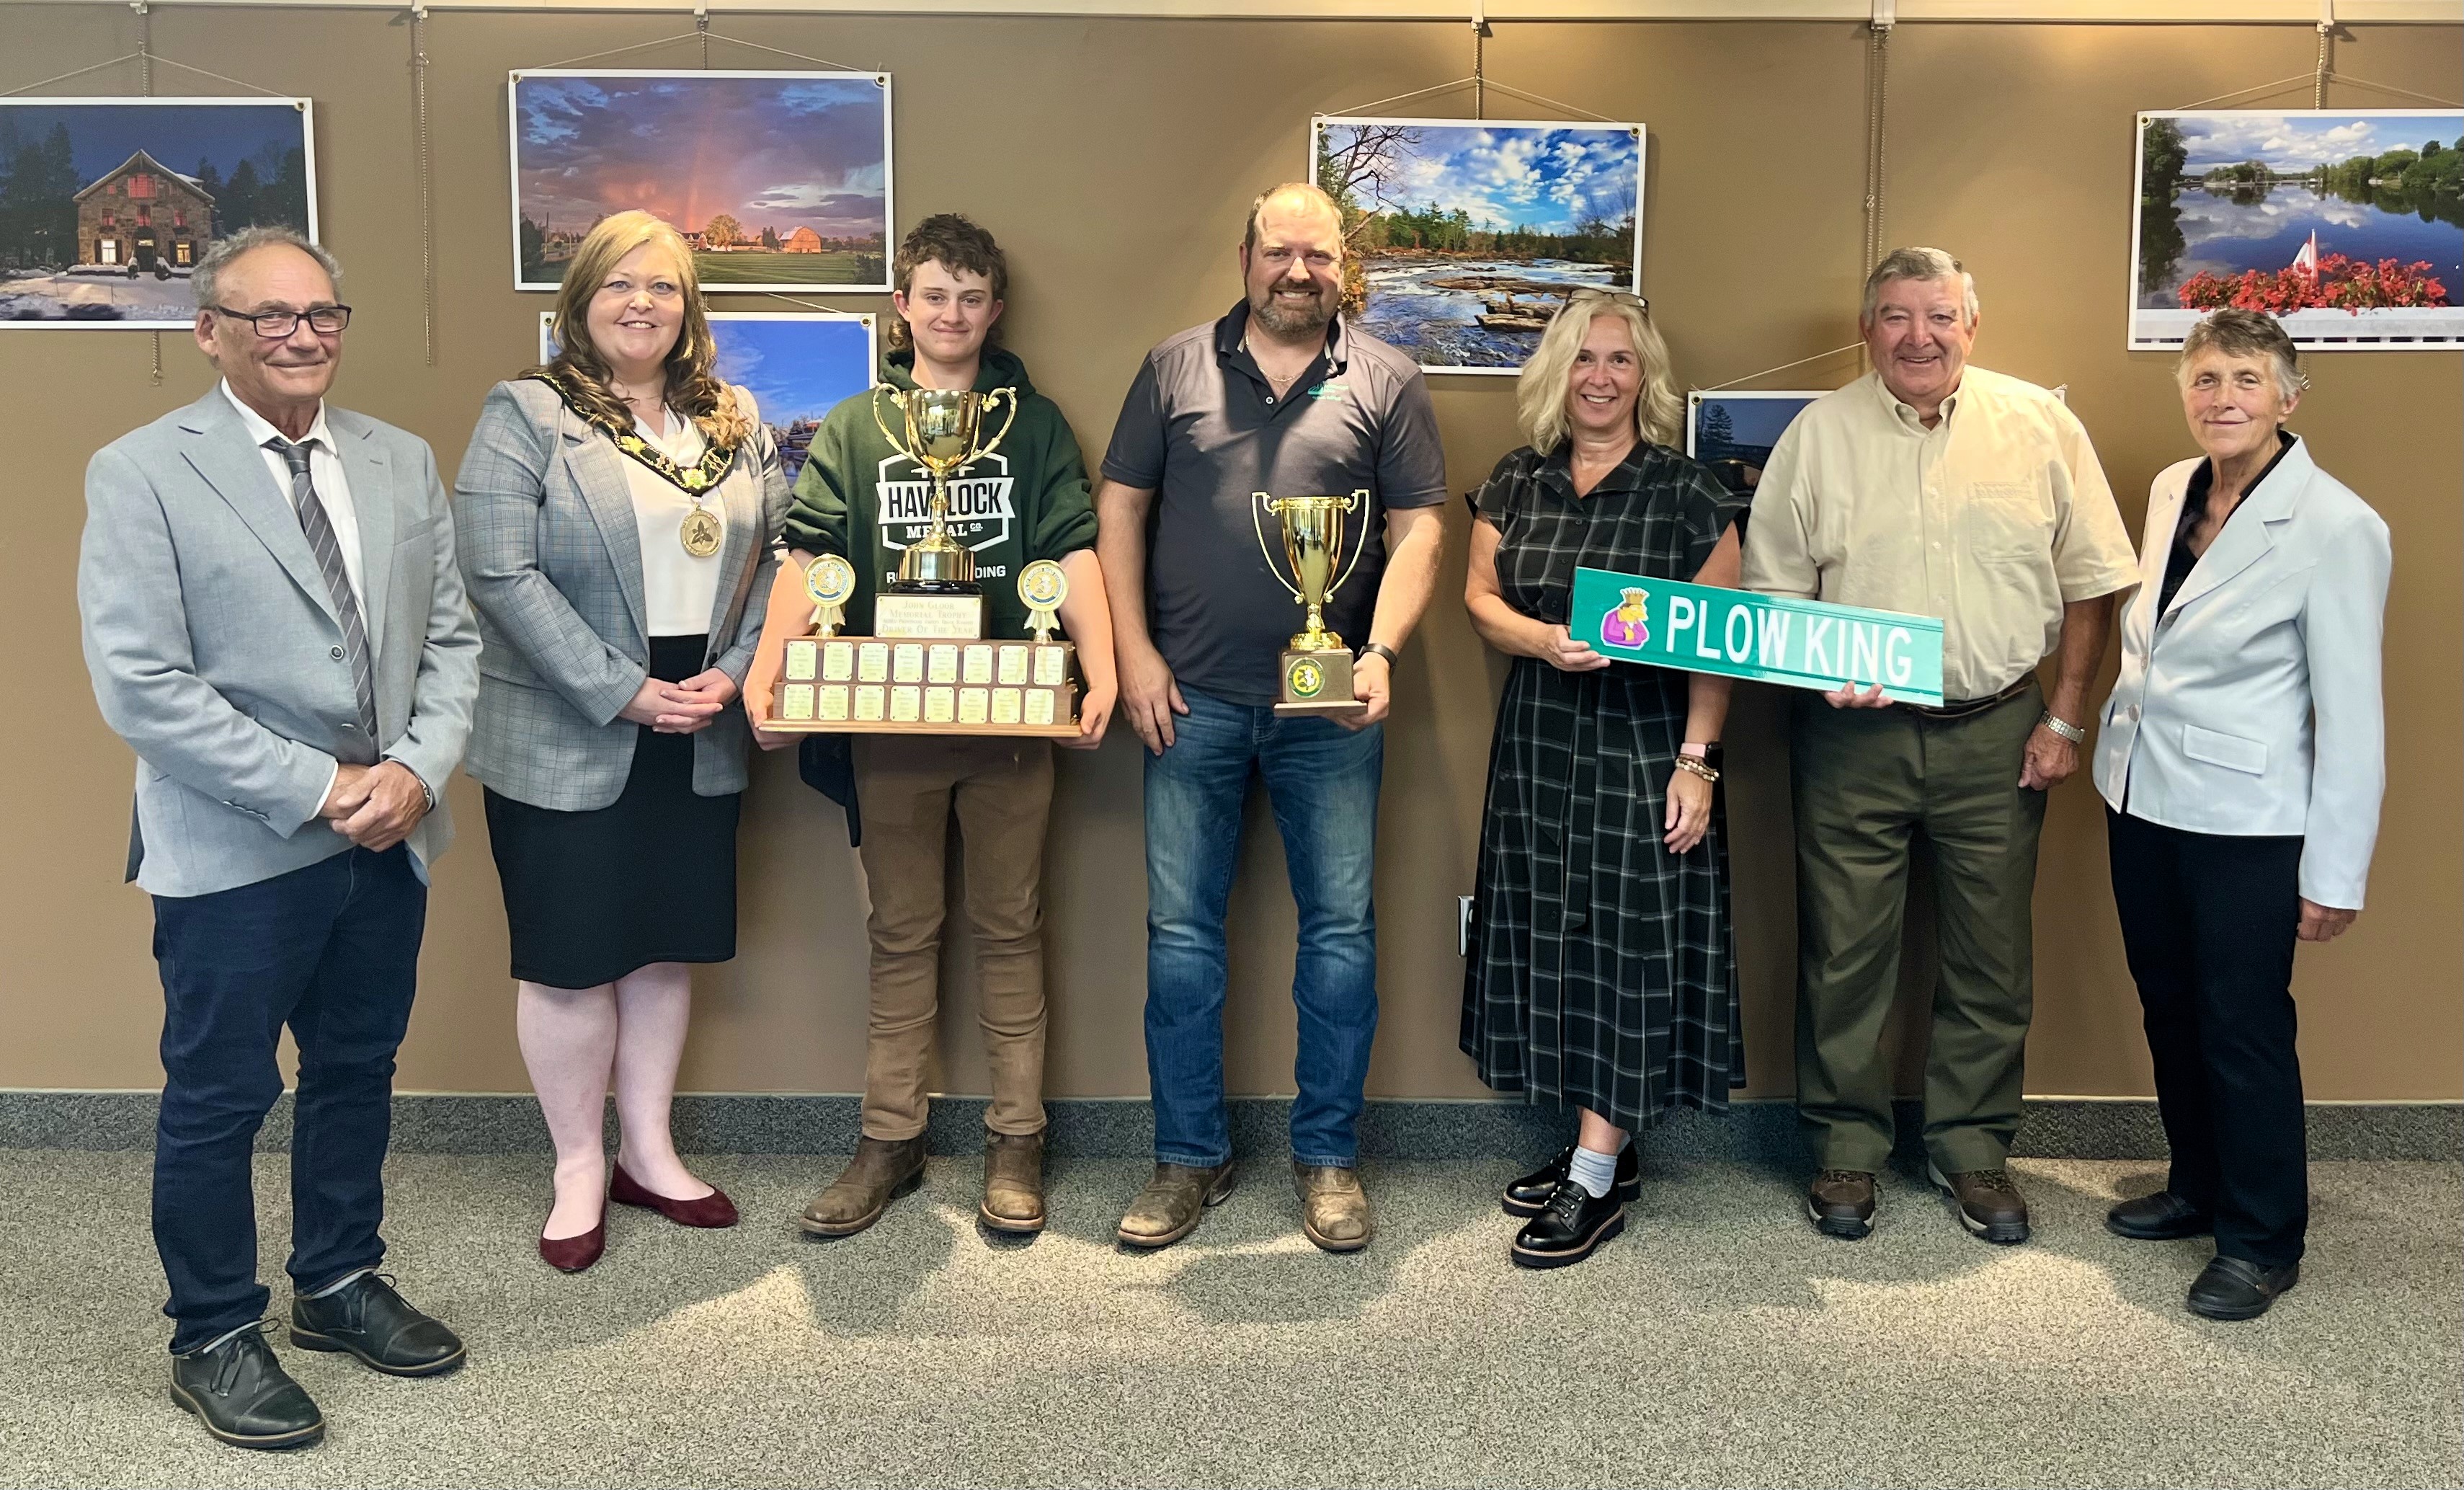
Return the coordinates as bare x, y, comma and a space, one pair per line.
216, 653
2252, 708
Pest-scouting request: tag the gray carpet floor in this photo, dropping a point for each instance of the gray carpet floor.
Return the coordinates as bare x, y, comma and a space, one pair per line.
1719, 1342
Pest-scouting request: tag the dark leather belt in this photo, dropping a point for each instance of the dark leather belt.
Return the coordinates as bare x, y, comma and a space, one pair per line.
1961, 709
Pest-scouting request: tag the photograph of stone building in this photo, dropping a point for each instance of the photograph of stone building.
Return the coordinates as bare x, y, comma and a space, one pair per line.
145, 216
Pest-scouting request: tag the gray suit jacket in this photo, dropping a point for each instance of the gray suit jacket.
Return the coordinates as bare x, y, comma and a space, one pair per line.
554, 563
216, 653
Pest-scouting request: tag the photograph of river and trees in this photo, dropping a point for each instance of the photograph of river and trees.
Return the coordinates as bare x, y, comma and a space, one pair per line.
780, 181
2347, 225
107, 204
1465, 236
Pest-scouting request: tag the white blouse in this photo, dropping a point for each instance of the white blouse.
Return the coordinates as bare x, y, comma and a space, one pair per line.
678, 589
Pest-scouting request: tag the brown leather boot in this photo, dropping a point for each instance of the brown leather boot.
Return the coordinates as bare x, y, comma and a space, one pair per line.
881, 1171
1013, 1183
1840, 1203
1334, 1209
1171, 1205
1989, 1205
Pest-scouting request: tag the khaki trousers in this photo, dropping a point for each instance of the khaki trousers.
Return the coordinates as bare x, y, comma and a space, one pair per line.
1002, 790
1865, 781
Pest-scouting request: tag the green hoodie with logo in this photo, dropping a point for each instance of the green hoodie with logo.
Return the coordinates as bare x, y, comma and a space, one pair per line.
860, 495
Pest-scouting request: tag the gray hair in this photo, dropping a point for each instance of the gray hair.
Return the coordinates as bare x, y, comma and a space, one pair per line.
206, 281
2244, 333
1302, 188
1918, 264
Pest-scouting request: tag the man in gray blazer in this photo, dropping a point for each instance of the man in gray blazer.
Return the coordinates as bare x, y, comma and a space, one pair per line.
274, 622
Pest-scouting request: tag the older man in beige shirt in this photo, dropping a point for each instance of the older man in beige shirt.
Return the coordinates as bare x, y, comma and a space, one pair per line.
1935, 488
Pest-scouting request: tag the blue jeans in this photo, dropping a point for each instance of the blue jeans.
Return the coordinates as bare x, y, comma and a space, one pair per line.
1322, 781
332, 950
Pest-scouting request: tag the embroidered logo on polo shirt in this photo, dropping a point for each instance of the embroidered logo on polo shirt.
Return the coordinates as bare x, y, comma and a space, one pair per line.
1330, 390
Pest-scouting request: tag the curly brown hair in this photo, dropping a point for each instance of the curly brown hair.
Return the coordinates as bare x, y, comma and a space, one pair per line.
694, 387
958, 245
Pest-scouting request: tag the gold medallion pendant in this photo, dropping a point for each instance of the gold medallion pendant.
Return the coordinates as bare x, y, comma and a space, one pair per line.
701, 532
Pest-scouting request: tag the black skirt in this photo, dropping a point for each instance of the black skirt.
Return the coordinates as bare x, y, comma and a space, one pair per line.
650, 877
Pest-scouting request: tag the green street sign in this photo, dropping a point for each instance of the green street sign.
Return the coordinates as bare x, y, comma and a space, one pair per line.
1768, 638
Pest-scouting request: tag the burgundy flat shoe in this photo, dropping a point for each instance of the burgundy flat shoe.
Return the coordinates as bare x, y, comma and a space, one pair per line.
712, 1211
574, 1253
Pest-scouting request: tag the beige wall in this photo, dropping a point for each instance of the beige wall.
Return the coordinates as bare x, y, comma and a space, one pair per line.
1113, 158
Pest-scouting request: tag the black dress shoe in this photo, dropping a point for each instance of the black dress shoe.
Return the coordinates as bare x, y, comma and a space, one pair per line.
1529, 1195
1568, 1228
2163, 1217
2233, 1288
368, 1318
243, 1396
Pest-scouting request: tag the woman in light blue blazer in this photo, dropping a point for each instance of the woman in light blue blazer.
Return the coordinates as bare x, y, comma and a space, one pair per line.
2241, 761
617, 510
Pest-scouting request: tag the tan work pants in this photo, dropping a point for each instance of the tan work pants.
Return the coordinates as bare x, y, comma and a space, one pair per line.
1002, 790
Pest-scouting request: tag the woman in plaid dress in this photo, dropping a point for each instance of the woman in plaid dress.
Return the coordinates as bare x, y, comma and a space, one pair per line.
1603, 972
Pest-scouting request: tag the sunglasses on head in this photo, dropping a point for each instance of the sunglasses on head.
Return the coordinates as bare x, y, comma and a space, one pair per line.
1616, 297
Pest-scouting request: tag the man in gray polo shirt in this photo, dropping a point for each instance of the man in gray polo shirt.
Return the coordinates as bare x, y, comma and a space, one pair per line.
1279, 396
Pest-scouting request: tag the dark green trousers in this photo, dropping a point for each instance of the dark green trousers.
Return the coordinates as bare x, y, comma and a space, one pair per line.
1865, 782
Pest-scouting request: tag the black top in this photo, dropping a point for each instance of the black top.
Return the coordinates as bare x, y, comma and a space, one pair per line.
1204, 430
2179, 563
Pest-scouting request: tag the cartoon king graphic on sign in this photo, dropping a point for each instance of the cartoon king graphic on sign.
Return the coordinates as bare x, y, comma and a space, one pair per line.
1629, 625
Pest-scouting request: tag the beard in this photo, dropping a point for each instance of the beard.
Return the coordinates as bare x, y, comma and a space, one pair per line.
1289, 317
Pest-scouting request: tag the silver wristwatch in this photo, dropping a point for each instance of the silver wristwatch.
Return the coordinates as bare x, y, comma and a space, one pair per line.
2064, 729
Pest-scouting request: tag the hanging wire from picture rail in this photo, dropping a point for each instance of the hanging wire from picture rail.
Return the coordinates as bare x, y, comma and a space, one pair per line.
423, 163
703, 34
1801, 362
146, 86
1878, 84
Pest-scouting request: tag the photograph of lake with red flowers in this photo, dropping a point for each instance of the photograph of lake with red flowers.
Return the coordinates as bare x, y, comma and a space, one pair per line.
780, 181
106, 205
2347, 225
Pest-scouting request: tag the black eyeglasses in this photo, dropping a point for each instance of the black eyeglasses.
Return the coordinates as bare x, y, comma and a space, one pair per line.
275, 325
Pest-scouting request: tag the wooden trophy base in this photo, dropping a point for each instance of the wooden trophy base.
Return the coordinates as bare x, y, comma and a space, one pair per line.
1318, 682
883, 685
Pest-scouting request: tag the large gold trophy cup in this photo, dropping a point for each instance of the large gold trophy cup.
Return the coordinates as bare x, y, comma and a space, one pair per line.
1316, 669
935, 593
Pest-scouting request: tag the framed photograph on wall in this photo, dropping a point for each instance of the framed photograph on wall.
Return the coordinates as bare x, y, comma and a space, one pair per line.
107, 204
2345, 224
798, 366
1465, 236
1733, 432
781, 181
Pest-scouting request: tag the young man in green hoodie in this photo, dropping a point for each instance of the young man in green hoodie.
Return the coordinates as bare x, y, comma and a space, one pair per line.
863, 498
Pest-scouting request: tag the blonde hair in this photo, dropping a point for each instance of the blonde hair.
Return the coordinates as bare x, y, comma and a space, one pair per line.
694, 387
1540, 397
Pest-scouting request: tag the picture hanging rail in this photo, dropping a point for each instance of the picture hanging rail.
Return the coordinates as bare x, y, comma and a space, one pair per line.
112, 201
2347, 225
781, 181
1464, 235
797, 365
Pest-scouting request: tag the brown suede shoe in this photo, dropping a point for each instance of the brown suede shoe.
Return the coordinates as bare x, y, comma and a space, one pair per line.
881, 1171
1170, 1206
1013, 1183
1989, 1206
1840, 1203
1334, 1209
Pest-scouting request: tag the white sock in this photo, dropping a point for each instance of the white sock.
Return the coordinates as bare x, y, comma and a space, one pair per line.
1592, 1169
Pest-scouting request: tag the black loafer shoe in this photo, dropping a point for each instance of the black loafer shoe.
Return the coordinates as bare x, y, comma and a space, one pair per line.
1567, 1229
243, 1396
1529, 1195
368, 1318
2163, 1217
2233, 1288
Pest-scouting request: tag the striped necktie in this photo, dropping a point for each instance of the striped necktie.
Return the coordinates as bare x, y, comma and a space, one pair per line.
328, 549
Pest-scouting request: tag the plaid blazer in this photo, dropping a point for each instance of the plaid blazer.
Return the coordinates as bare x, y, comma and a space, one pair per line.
553, 561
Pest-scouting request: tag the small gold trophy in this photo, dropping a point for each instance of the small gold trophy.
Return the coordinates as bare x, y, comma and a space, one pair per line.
816, 680
936, 595
1316, 667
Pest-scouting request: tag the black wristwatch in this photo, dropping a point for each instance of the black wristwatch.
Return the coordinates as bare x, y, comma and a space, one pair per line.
1393, 657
